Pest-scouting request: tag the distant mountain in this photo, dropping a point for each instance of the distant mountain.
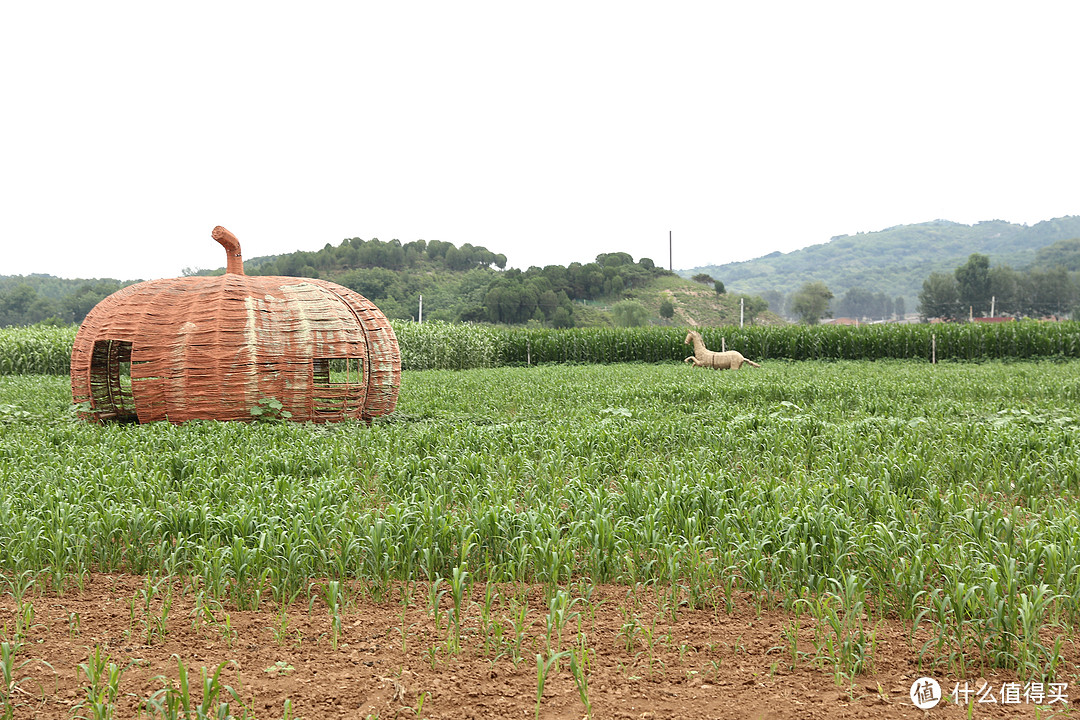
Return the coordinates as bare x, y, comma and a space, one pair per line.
894, 261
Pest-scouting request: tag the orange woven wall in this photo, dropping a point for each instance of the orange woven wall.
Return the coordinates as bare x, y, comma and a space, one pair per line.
216, 347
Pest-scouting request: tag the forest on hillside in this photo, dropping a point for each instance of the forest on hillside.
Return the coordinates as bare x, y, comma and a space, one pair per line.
466, 283
471, 283
894, 261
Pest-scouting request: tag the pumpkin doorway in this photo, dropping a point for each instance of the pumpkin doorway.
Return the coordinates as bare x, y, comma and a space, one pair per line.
338, 386
110, 381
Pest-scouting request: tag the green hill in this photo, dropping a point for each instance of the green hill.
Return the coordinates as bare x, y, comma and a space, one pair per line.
699, 305
467, 283
894, 261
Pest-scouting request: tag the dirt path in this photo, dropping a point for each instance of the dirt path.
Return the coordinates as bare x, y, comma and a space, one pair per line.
680, 310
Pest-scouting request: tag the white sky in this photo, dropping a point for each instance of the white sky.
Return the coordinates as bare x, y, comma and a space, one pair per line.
550, 131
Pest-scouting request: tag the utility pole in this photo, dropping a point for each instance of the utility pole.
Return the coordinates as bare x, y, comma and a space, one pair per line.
741, 300
421, 309
670, 264
993, 301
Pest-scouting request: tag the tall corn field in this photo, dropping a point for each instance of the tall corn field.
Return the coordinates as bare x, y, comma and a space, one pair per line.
447, 346
36, 350
455, 346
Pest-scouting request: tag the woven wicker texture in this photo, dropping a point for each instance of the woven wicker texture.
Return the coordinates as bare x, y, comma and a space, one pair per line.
217, 347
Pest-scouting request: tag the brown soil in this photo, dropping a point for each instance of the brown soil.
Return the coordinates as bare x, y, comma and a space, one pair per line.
702, 664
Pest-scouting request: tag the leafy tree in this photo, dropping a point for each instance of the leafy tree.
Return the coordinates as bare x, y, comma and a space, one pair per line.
860, 303
615, 259
973, 284
939, 297
810, 302
1004, 290
704, 279
548, 303
455, 259
667, 310
775, 300
629, 313
752, 306
899, 309
884, 305
719, 287
1049, 292
562, 318
856, 303
436, 249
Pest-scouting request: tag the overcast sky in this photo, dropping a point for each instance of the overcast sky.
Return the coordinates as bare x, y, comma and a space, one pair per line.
549, 132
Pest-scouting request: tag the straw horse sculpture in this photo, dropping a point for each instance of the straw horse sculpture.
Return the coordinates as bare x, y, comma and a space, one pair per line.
703, 357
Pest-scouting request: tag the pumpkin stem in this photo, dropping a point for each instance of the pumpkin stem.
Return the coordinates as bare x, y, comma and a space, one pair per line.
228, 241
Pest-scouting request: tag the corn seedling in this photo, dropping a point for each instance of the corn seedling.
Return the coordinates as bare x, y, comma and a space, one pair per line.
579, 670
332, 596
102, 687
544, 667
178, 703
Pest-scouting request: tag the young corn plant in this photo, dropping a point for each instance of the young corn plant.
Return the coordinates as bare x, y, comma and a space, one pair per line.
12, 692
519, 622
178, 703
841, 637
560, 609
544, 668
459, 584
332, 596
579, 669
102, 687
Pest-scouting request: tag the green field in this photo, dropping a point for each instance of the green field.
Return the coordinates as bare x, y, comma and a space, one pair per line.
944, 496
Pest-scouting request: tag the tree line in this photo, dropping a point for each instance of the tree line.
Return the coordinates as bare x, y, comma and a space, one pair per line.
813, 301
32, 299
466, 283
975, 289
356, 253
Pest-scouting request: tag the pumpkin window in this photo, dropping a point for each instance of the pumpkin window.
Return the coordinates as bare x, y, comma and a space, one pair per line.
110, 381
338, 385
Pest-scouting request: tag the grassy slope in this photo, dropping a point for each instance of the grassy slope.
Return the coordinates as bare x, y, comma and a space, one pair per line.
696, 304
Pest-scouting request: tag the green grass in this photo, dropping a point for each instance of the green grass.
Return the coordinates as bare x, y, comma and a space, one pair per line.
944, 496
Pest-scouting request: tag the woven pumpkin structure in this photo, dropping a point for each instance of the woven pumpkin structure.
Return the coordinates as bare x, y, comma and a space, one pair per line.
217, 348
